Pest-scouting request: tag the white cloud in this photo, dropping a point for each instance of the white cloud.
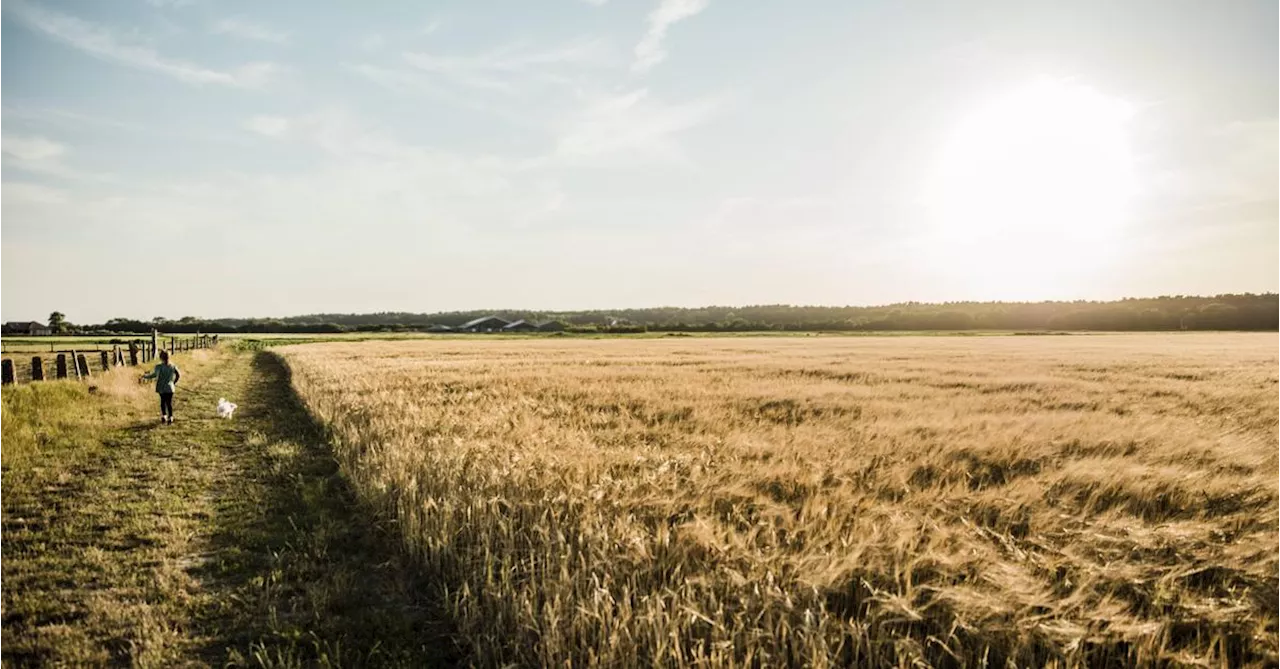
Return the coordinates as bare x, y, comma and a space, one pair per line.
20, 193
513, 66
773, 214
344, 137
271, 126
1252, 156
432, 26
414, 82
32, 148
39, 155
650, 51
1204, 170
633, 123
372, 42
104, 43
245, 29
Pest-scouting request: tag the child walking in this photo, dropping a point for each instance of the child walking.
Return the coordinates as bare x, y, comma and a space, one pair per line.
166, 376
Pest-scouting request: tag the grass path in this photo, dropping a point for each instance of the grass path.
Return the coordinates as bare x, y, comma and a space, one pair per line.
204, 543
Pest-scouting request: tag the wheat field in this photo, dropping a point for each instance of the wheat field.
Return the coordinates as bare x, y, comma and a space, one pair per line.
1105, 500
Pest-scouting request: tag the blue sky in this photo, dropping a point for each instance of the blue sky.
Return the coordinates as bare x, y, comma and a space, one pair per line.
190, 157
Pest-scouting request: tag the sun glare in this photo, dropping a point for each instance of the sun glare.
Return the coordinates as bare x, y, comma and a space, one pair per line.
1032, 189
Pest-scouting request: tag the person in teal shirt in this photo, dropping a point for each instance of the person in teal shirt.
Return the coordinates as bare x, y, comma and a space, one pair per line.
166, 376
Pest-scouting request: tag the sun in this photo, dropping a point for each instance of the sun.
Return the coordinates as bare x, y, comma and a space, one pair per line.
1031, 191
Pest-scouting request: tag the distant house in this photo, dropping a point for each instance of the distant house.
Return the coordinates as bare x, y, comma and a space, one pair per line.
439, 328
30, 329
551, 326
486, 324
520, 326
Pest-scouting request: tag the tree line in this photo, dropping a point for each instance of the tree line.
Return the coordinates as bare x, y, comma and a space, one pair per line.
1246, 311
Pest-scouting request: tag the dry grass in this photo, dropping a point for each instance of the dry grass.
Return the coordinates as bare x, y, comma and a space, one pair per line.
1093, 500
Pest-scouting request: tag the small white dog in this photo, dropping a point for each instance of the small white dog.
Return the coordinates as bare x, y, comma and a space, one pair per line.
225, 408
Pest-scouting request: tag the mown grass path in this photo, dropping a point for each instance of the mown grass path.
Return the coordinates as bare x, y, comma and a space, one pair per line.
204, 543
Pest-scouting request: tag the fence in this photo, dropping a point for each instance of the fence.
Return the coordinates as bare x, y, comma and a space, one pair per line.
80, 364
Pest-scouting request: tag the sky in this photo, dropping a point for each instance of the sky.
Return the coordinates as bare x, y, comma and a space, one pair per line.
216, 159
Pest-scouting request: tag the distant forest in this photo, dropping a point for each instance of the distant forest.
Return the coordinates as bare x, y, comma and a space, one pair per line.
1220, 312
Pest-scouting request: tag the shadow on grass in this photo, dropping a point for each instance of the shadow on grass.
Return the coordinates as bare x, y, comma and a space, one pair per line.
302, 574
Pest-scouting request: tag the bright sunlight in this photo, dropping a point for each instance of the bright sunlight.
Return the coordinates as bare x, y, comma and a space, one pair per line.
1032, 188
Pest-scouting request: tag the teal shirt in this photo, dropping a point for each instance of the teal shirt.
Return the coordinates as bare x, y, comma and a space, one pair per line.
166, 376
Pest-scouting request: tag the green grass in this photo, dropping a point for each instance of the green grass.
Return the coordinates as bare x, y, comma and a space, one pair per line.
206, 543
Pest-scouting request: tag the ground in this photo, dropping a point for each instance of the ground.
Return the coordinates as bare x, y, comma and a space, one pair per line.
205, 543
943, 501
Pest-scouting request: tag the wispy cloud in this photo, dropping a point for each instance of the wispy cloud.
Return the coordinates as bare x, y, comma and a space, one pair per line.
32, 148
39, 155
360, 165
634, 123
21, 193
271, 126
102, 42
244, 29
650, 51
372, 42
1216, 166
511, 66
781, 214
413, 82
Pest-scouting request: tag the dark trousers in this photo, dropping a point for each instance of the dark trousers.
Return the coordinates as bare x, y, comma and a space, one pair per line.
166, 404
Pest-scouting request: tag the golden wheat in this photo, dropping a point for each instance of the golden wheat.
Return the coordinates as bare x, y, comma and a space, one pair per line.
824, 501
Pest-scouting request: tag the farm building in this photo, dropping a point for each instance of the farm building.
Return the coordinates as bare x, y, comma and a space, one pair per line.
486, 324
439, 328
31, 328
551, 326
520, 326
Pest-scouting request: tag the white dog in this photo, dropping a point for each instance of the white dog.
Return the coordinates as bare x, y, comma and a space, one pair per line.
225, 408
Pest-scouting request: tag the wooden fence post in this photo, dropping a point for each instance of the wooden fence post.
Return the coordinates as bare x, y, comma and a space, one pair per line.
170, 345
106, 362
133, 354
82, 366
75, 364
155, 337
37, 369
62, 365
6, 371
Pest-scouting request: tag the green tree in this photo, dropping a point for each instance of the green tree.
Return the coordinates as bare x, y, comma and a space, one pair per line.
58, 322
